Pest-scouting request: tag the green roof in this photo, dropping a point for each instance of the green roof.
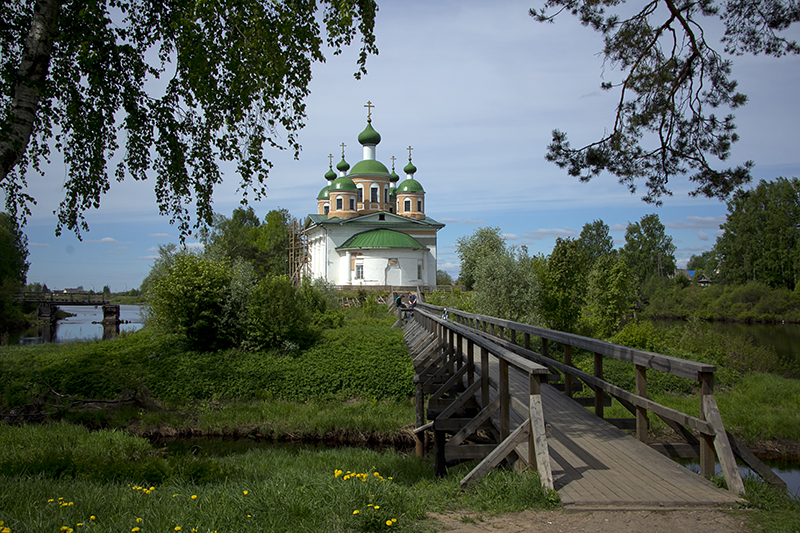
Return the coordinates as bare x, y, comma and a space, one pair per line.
381, 238
410, 185
324, 193
409, 168
343, 165
370, 166
343, 183
369, 136
393, 177
330, 175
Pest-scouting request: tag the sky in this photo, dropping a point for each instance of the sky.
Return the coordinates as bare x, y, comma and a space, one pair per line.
476, 89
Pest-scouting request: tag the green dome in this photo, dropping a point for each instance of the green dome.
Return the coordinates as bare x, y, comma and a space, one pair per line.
330, 175
325, 193
343, 183
410, 185
393, 177
392, 192
369, 136
370, 166
409, 168
381, 238
343, 165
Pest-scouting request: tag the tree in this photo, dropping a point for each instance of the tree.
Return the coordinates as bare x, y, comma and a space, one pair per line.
596, 241
609, 295
673, 81
564, 285
237, 73
13, 267
507, 286
648, 249
480, 246
443, 278
761, 236
705, 264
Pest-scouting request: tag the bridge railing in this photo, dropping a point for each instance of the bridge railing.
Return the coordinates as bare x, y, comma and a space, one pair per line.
516, 337
457, 367
64, 298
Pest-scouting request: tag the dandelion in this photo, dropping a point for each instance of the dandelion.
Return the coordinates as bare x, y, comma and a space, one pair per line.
244, 492
377, 507
79, 524
194, 496
50, 500
134, 530
138, 520
394, 520
177, 528
174, 495
356, 511
92, 517
389, 523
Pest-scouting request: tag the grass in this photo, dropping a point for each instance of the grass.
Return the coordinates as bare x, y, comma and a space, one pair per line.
261, 489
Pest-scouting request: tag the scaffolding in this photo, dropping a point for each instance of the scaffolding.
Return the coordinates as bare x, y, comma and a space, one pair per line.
299, 256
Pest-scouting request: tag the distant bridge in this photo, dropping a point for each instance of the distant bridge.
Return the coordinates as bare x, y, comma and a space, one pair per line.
49, 301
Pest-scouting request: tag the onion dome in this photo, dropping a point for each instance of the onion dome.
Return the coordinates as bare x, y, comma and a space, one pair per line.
369, 136
343, 183
393, 177
325, 193
409, 185
370, 166
409, 168
343, 166
330, 175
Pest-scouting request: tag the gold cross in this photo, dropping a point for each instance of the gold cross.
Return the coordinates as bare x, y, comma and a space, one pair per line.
330, 160
369, 107
342, 145
409, 152
393, 158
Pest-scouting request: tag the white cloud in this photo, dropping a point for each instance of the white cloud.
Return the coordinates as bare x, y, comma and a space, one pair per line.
702, 235
692, 222
162, 236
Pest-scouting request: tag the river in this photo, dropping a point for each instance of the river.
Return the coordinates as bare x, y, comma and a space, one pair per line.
85, 324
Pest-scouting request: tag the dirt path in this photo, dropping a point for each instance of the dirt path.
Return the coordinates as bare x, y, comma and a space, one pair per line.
681, 521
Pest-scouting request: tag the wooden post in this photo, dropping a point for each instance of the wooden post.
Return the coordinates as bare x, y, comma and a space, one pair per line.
545, 347
484, 377
513, 336
706, 441
419, 400
598, 392
440, 461
538, 453
470, 362
527, 338
641, 412
568, 377
505, 401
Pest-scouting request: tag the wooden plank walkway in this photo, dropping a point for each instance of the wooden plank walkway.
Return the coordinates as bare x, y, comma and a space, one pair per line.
597, 466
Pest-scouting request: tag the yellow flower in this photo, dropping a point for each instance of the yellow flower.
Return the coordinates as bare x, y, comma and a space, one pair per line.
138, 520
356, 511
79, 524
91, 517
177, 528
152, 488
134, 530
377, 507
174, 495
48, 501
194, 496
389, 523
244, 492
394, 520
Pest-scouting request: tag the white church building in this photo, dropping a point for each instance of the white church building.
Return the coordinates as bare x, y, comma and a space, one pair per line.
370, 227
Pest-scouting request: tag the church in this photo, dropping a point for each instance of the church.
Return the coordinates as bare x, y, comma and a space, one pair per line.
370, 228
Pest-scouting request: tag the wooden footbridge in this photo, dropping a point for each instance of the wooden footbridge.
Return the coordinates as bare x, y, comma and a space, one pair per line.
492, 397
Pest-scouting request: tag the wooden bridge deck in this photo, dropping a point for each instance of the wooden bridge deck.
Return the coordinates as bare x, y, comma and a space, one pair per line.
594, 464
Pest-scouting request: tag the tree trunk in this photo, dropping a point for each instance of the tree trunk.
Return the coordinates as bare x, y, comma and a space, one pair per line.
28, 86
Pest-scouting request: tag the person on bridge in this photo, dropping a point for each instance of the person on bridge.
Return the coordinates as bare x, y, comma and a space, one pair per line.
398, 302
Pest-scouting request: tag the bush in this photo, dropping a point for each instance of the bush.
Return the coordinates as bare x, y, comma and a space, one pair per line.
190, 298
277, 314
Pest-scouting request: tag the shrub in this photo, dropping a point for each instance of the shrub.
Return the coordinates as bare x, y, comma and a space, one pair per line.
278, 313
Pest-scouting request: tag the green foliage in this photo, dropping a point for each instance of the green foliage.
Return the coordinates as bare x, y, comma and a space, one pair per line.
191, 298
609, 297
564, 286
465, 301
278, 314
480, 247
238, 75
672, 75
648, 249
13, 268
443, 278
596, 241
507, 285
761, 239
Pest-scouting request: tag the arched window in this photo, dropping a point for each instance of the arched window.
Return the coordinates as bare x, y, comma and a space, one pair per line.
407, 206
352, 203
326, 209
360, 193
338, 203
373, 194
386, 194
419, 205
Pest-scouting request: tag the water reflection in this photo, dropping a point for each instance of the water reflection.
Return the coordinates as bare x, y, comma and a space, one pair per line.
85, 324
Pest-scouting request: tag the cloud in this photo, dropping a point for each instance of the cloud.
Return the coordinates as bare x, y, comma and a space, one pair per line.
39, 244
618, 227
462, 221
162, 236
702, 235
691, 222
541, 234
109, 240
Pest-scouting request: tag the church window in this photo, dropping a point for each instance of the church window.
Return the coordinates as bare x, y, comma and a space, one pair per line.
386, 195
352, 203
407, 206
373, 194
419, 269
326, 209
339, 203
419, 205
359, 271
360, 193
381, 217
